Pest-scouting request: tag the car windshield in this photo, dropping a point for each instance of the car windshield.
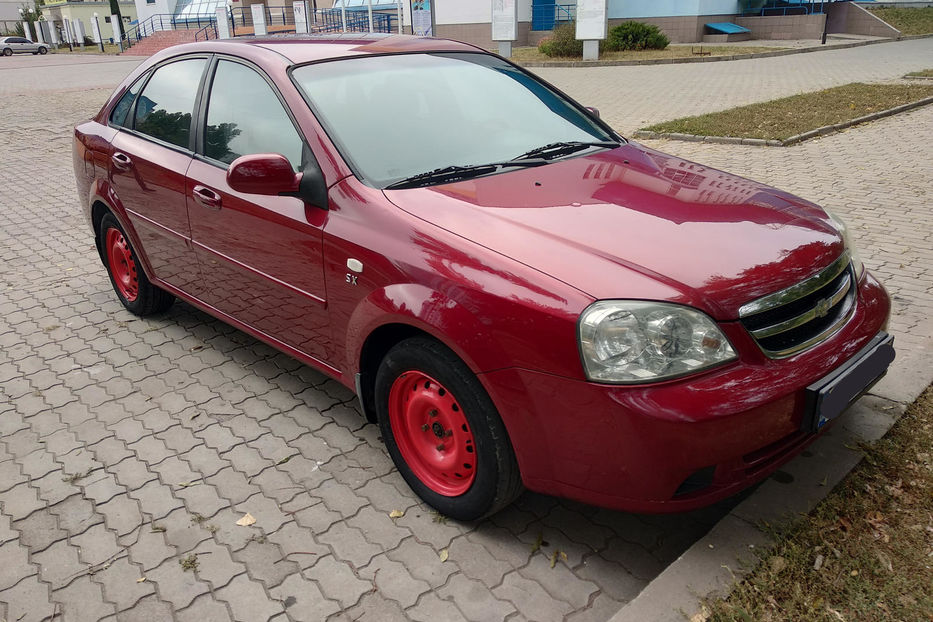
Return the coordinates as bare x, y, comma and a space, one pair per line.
396, 116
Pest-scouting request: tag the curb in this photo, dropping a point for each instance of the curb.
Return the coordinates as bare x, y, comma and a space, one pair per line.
793, 140
715, 59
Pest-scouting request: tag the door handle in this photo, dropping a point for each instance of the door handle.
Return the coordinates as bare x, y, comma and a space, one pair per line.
206, 197
121, 161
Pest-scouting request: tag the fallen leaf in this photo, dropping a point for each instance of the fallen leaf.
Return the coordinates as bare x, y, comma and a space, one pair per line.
246, 521
819, 562
286, 459
186, 484
140, 579
195, 348
396, 513
777, 564
443, 555
885, 561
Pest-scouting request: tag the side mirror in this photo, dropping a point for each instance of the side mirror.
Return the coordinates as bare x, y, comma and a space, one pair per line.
263, 173
593, 111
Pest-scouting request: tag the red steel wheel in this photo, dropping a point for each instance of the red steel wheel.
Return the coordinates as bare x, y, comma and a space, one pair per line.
129, 280
443, 431
122, 266
432, 433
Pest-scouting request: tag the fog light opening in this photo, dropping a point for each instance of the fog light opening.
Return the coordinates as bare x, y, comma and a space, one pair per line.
696, 481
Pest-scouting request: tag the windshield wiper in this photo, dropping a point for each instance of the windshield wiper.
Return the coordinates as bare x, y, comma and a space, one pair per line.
555, 150
457, 172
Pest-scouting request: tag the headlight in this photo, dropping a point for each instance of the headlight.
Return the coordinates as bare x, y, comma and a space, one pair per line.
629, 341
844, 232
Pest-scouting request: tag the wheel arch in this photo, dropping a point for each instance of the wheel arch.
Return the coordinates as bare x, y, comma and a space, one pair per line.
395, 313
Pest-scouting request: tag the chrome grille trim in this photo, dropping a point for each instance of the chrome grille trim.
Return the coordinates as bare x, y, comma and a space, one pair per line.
781, 331
806, 316
801, 289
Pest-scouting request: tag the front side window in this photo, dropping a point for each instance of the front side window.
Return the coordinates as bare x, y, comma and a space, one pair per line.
244, 116
164, 108
399, 115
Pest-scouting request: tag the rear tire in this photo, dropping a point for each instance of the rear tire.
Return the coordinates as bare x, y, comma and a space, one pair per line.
7, 52
443, 431
129, 281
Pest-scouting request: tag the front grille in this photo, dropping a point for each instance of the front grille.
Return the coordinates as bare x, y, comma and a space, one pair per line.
799, 317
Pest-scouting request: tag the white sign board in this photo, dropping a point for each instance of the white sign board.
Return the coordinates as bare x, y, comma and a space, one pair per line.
259, 18
40, 31
504, 20
223, 26
78, 31
421, 21
115, 25
592, 20
95, 29
301, 16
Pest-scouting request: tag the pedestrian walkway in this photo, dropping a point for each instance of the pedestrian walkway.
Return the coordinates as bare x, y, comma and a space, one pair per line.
630, 98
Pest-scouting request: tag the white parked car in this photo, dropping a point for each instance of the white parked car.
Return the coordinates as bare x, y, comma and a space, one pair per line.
21, 45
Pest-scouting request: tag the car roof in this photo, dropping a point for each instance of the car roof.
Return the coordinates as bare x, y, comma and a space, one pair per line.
303, 48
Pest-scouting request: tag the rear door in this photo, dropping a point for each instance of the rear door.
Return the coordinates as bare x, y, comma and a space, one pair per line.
148, 162
260, 256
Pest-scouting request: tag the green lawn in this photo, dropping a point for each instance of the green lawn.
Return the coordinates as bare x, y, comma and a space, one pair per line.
531, 54
865, 553
915, 21
782, 118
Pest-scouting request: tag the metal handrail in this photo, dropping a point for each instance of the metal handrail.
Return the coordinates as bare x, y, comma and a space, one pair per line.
164, 21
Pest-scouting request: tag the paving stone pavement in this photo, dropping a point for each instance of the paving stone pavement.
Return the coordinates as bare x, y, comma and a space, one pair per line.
129, 447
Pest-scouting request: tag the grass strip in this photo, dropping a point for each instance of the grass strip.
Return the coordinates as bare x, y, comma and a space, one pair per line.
780, 119
531, 54
926, 73
910, 21
865, 553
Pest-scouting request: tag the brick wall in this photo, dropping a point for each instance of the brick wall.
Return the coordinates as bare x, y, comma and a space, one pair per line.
850, 18
784, 26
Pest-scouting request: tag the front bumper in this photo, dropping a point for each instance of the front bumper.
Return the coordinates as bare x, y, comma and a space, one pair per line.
676, 445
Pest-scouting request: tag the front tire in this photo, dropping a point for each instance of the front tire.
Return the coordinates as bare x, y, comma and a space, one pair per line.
443, 431
43, 50
129, 281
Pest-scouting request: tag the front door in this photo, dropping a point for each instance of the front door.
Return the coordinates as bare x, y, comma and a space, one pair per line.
260, 256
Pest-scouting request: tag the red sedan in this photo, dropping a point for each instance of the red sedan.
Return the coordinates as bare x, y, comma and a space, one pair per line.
517, 294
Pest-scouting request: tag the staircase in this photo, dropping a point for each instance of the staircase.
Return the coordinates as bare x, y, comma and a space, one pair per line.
160, 40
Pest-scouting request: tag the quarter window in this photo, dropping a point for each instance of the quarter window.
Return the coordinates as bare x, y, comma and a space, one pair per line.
118, 115
164, 108
244, 116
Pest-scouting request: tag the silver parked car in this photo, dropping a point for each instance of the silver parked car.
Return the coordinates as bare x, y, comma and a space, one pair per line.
21, 45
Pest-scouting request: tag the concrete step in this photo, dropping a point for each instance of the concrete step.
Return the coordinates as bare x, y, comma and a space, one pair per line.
160, 40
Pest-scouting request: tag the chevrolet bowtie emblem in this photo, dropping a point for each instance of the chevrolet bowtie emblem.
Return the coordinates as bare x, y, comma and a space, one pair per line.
822, 307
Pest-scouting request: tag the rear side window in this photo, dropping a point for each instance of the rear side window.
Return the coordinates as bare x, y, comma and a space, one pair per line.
164, 108
244, 116
118, 116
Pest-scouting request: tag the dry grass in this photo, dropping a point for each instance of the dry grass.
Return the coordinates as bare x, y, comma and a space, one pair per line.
87, 49
911, 21
782, 118
865, 553
531, 54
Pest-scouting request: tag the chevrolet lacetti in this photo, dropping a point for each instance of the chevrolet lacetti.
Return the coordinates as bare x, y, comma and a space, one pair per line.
518, 295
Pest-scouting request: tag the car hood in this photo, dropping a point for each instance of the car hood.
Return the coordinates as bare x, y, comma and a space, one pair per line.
632, 222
